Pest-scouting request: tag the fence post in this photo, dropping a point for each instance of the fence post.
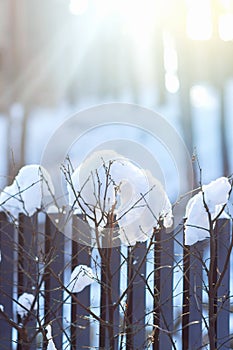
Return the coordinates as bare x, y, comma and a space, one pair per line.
103, 332
27, 272
110, 290
53, 294
7, 246
163, 290
136, 298
224, 242
192, 288
192, 296
115, 263
81, 254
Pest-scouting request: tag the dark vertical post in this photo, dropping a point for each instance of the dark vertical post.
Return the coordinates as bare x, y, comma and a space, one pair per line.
195, 295
7, 246
223, 132
53, 295
156, 318
27, 270
136, 298
103, 337
163, 288
186, 80
166, 288
129, 309
192, 296
81, 255
223, 232
115, 262
110, 287
27, 253
185, 308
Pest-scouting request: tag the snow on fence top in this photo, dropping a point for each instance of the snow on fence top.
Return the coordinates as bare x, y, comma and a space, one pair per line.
112, 184
28, 192
108, 188
204, 208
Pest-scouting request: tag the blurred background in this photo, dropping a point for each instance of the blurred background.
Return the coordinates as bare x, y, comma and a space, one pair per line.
60, 56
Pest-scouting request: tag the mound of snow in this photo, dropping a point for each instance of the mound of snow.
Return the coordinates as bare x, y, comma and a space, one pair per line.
30, 190
81, 277
137, 224
51, 345
215, 195
24, 305
108, 182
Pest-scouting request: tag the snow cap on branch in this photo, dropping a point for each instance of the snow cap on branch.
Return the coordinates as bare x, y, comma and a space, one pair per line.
28, 192
107, 182
213, 196
24, 304
137, 224
81, 277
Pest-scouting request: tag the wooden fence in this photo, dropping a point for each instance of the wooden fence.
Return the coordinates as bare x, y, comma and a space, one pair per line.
36, 257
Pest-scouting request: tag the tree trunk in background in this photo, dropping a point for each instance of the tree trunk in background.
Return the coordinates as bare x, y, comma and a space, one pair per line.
223, 126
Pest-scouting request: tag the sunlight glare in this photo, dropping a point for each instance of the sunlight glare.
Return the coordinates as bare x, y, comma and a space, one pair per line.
199, 20
227, 4
172, 83
201, 97
137, 19
137, 15
78, 7
170, 54
225, 27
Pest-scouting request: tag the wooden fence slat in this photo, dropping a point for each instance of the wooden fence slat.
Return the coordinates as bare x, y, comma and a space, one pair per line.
136, 298
156, 317
110, 290
7, 247
163, 300
54, 264
185, 307
139, 297
195, 295
129, 303
115, 275
223, 232
166, 288
27, 269
81, 255
192, 296
103, 331
27, 251
109, 326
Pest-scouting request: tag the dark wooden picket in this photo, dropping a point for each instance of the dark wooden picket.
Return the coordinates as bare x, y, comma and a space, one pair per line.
224, 241
21, 265
115, 261
54, 271
192, 296
136, 303
7, 246
193, 288
27, 271
110, 291
80, 324
163, 289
